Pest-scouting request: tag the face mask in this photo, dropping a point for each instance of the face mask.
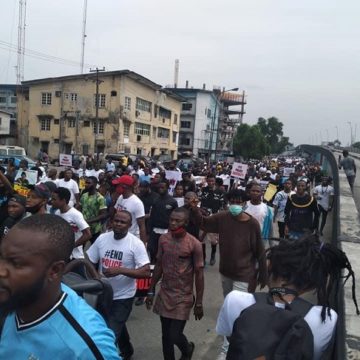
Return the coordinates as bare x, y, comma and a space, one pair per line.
34, 209
236, 210
119, 190
179, 232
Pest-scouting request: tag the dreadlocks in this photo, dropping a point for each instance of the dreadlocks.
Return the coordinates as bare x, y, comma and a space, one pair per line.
309, 264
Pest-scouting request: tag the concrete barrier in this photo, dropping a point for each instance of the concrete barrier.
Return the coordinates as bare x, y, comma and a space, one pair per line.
345, 235
349, 242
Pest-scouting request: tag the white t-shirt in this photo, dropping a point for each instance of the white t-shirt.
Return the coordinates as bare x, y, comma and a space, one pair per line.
259, 212
237, 301
323, 194
93, 172
72, 186
128, 252
110, 166
280, 201
136, 207
77, 222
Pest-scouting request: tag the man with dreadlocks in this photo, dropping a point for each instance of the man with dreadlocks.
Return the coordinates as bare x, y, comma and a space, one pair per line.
295, 267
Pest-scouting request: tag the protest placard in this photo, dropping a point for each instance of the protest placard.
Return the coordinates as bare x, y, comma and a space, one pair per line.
288, 171
173, 177
65, 160
30, 178
239, 170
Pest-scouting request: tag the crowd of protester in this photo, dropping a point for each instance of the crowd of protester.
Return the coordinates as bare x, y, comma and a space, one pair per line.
126, 217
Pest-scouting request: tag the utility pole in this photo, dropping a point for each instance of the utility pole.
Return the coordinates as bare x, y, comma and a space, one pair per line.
83, 38
96, 121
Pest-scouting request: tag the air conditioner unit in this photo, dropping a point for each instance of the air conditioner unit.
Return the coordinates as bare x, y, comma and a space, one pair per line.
58, 93
137, 113
138, 138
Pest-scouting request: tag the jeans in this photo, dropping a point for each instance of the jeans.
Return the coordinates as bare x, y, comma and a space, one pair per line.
172, 334
323, 214
153, 246
120, 312
281, 226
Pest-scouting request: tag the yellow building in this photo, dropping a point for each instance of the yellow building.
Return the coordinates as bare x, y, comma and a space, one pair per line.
135, 115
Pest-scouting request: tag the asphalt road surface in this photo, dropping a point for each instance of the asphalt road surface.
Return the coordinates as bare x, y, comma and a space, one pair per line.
145, 330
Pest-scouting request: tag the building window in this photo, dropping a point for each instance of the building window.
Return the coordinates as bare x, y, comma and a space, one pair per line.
185, 124
56, 121
0, 121
163, 133
175, 119
99, 129
126, 129
142, 129
71, 123
13, 99
73, 97
45, 98
156, 110
164, 113
209, 113
3, 100
184, 141
45, 124
154, 132
187, 106
174, 137
127, 103
143, 105
102, 100
56, 141
86, 123
113, 93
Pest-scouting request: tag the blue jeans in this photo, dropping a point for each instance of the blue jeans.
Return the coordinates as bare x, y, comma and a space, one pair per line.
120, 312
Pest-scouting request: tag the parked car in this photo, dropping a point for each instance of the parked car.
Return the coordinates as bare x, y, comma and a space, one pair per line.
4, 160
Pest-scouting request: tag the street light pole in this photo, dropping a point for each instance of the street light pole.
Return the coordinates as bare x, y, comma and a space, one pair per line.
212, 128
337, 133
351, 134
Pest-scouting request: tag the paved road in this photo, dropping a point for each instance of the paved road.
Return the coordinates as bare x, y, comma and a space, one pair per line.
145, 331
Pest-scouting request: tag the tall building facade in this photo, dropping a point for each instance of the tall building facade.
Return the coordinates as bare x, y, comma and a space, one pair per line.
135, 115
8, 101
208, 121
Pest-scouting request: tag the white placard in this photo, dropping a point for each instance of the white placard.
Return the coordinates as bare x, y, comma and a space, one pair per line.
173, 177
287, 171
31, 176
65, 160
239, 170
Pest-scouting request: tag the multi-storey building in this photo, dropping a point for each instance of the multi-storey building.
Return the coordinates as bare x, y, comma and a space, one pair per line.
207, 124
8, 108
198, 121
135, 115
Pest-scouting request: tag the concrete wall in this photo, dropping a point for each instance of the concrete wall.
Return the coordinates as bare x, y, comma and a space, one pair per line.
349, 241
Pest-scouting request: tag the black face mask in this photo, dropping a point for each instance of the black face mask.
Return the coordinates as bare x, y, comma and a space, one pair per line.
34, 209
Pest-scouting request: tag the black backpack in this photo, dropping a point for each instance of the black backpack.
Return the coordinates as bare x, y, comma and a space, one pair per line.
272, 333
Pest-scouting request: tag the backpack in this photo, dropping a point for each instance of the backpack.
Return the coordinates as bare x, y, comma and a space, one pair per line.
265, 331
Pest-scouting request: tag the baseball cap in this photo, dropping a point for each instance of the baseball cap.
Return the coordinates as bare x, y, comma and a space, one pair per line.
42, 191
18, 199
50, 185
123, 180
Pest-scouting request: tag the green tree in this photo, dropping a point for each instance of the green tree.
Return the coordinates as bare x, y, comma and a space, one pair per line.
272, 130
249, 142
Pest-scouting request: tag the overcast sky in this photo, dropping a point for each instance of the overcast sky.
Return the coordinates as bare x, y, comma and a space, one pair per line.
296, 60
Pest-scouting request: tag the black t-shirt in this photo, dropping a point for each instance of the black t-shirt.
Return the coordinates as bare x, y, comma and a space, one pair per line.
149, 200
161, 210
187, 185
7, 225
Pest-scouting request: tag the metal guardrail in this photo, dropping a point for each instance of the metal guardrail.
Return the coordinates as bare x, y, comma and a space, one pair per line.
327, 159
